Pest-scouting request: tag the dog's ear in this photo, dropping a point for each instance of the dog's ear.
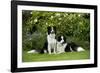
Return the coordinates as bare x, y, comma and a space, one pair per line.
54, 27
48, 29
64, 38
59, 38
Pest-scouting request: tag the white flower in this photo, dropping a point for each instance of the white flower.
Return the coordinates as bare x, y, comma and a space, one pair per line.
59, 23
57, 14
30, 12
66, 14
51, 17
79, 15
46, 23
35, 20
59, 18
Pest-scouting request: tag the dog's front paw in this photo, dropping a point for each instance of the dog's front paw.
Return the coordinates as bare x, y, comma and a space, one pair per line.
54, 52
49, 52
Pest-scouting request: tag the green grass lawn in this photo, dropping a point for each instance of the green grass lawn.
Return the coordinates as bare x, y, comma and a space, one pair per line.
54, 57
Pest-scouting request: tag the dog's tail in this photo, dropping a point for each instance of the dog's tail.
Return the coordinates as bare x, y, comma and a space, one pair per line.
32, 51
80, 49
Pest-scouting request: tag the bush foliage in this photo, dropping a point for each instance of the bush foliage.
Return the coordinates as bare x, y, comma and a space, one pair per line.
75, 26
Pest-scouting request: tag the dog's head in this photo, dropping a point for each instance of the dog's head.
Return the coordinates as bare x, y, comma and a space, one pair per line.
51, 30
61, 39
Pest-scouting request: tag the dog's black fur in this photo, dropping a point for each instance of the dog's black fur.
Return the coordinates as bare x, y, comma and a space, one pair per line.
59, 39
49, 29
71, 47
45, 47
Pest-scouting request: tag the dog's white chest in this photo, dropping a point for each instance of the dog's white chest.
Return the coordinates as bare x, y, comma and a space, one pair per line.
61, 47
51, 38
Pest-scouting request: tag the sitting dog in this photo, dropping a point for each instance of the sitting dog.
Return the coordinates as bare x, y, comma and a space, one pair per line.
51, 40
50, 44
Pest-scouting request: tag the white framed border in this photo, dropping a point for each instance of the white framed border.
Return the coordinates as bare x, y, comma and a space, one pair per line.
52, 63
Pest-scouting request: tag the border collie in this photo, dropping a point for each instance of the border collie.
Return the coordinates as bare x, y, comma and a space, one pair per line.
63, 46
51, 40
50, 44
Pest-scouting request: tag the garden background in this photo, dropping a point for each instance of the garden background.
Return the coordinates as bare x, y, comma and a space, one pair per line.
74, 26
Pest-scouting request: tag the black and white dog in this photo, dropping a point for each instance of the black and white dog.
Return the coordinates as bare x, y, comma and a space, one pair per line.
51, 39
63, 46
50, 44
